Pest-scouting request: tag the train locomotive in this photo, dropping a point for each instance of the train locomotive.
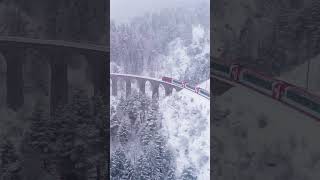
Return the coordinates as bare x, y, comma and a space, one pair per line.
185, 85
284, 92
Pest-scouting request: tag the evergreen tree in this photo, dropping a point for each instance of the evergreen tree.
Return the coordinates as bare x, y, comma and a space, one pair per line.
9, 161
100, 115
145, 135
117, 164
41, 133
65, 139
128, 170
154, 159
123, 133
81, 106
188, 174
171, 174
143, 169
42, 137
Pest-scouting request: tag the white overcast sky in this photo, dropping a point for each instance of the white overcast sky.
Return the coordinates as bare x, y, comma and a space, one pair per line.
123, 10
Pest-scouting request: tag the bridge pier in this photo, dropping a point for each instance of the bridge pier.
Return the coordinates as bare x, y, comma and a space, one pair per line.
114, 86
59, 81
155, 84
128, 87
100, 69
168, 90
142, 86
13, 50
15, 95
155, 90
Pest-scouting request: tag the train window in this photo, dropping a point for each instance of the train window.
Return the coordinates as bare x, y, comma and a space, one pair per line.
166, 79
303, 101
178, 82
188, 86
258, 81
220, 67
204, 92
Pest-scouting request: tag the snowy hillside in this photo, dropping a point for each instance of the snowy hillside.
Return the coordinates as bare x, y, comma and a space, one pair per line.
187, 126
170, 137
298, 75
186, 61
260, 130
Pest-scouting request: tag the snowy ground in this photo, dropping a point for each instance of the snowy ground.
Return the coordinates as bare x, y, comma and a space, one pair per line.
187, 125
298, 75
284, 131
248, 106
181, 58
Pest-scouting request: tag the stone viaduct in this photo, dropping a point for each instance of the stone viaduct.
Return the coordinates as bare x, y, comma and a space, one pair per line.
13, 49
128, 78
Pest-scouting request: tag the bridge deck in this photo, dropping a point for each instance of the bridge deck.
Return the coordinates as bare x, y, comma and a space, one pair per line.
178, 88
57, 43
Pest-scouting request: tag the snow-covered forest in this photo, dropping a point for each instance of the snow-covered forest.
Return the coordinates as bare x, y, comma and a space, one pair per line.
165, 138
270, 35
172, 42
71, 144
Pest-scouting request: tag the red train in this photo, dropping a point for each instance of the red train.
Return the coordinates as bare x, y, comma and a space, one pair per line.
185, 85
289, 94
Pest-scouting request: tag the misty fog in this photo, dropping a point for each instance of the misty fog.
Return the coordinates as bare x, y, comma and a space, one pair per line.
124, 10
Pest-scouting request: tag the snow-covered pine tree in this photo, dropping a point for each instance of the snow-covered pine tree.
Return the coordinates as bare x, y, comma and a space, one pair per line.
123, 133
155, 154
171, 174
117, 164
154, 160
114, 126
9, 161
145, 134
80, 105
188, 174
86, 131
143, 169
65, 154
122, 105
100, 114
41, 132
128, 170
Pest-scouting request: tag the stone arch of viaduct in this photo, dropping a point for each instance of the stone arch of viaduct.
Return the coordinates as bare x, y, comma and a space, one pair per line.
155, 84
13, 50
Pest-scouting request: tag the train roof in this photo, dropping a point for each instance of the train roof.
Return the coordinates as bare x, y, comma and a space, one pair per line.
300, 89
304, 91
261, 74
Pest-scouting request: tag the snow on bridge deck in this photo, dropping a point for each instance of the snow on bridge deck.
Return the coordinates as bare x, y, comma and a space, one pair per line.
146, 78
56, 43
178, 88
139, 77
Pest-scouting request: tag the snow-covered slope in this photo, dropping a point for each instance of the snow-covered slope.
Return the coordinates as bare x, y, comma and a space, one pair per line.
266, 125
185, 61
298, 75
187, 124
248, 106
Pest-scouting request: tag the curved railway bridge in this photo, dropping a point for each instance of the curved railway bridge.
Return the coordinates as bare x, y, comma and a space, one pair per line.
155, 84
167, 83
58, 52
